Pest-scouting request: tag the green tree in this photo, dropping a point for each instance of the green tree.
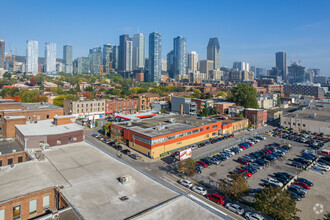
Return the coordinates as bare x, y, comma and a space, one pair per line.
277, 203
106, 127
187, 166
240, 115
77, 89
245, 95
204, 112
59, 100
279, 102
213, 111
249, 124
223, 94
197, 93
238, 188
42, 87
7, 75
162, 111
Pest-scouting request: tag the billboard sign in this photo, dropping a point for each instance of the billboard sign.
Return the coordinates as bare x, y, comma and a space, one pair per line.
185, 154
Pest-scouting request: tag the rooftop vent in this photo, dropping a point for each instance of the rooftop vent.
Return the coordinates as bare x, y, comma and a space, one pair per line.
123, 198
125, 179
129, 123
171, 120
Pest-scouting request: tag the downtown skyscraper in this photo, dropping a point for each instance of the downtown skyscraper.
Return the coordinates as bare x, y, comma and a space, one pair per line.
50, 57
125, 53
213, 52
138, 51
192, 62
107, 57
2, 53
95, 56
32, 57
67, 57
155, 57
180, 56
280, 63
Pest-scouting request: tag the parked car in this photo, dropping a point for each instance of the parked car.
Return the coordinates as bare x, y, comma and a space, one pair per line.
303, 185
216, 198
118, 147
298, 165
294, 195
299, 188
253, 216
297, 191
202, 163
256, 166
305, 181
242, 161
126, 151
134, 156
275, 182
200, 190
235, 208
185, 183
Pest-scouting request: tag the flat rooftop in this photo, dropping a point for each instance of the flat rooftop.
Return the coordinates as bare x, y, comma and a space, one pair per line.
161, 125
7, 147
307, 114
46, 127
39, 106
90, 180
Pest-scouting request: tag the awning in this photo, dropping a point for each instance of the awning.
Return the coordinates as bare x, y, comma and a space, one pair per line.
108, 112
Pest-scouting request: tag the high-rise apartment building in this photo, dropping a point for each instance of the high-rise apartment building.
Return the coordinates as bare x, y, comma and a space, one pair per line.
280, 63
205, 66
296, 73
170, 63
180, 56
115, 56
192, 62
155, 57
96, 60
67, 57
2, 53
81, 65
138, 51
213, 52
50, 57
125, 53
32, 57
241, 66
107, 58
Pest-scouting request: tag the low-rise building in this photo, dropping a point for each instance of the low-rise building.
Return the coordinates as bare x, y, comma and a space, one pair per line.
234, 125
59, 131
162, 106
235, 110
124, 106
85, 108
309, 119
145, 100
311, 90
258, 117
222, 107
273, 114
17, 113
203, 103
183, 105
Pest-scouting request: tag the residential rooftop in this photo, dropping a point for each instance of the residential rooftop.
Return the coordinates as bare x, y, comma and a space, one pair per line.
90, 183
47, 127
7, 147
162, 125
39, 106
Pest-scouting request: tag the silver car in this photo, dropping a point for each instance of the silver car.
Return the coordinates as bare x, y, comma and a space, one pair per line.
253, 216
235, 208
200, 190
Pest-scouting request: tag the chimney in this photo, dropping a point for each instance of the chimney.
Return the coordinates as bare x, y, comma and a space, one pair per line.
181, 109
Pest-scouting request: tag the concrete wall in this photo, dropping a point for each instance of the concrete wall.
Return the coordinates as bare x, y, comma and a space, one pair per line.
299, 124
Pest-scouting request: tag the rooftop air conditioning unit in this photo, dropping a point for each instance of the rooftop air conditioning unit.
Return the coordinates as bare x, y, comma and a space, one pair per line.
125, 179
14, 151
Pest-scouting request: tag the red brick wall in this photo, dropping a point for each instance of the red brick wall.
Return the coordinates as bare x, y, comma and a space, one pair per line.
4, 158
8, 105
52, 139
24, 202
127, 105
63, 121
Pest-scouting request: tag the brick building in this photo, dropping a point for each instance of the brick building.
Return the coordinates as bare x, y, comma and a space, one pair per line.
139, 77
145, 100
222, 107
125, 106
17, 113
33, 205
258, 117
84, 108
59, 131
203, 103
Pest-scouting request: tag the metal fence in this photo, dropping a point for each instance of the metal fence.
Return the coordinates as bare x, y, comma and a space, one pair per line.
220, 148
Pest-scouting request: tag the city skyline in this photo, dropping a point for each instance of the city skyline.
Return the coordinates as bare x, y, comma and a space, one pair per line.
242, 36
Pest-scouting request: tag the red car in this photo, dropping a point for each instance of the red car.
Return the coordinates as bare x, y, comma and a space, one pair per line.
303, 185
241, 146
202, 163
245, 172
242, 161
216, 198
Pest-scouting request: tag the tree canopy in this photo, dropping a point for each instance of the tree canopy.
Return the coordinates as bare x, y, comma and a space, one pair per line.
245, 95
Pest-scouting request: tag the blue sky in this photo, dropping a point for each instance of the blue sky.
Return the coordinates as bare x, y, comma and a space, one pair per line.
249, 31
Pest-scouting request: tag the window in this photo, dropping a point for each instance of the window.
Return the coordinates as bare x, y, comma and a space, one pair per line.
0, 118
294, 123
59, 141
82, 105
86, 105
10, 161
29, 118
304, 125
33, 206
38, 117
45, 202
0, 163
69, 139
208, 128
20, 159
17, 212
2, 214
0, 130
214, 126
47, 116
298, 124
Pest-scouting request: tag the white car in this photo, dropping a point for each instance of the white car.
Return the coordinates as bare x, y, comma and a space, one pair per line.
235, 208
185, 183
250, 129
323, 166
317, 169
253, 216
229, 152
256, 166
275, 182
199, 190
